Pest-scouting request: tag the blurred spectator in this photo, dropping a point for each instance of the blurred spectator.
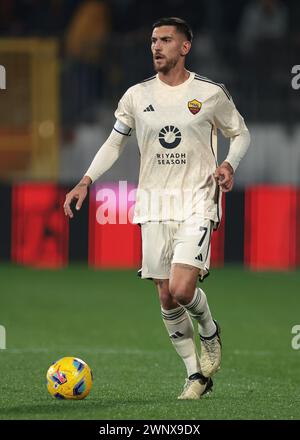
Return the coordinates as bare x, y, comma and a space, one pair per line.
85, 45
88, 31
262, 20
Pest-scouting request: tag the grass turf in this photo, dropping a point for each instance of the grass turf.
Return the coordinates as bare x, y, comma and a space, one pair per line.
111, 319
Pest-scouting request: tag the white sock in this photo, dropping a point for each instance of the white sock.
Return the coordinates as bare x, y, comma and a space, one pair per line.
181, 331
198, 309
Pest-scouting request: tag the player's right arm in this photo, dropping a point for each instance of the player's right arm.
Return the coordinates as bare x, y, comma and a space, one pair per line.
107, 154
104, 159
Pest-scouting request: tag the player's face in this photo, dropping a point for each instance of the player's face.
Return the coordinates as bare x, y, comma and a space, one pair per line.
168, 46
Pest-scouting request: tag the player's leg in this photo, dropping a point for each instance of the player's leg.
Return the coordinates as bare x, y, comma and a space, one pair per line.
191, 255
194, 300
183, 280
157, 241
181, 332
179, 327
157, 255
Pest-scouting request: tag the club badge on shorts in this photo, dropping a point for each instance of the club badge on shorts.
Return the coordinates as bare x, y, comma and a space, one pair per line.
194, 106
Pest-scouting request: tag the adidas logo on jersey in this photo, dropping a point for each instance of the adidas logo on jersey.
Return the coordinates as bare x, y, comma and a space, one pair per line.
149, 108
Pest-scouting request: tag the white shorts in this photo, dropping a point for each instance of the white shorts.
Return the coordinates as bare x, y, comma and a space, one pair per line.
165, 243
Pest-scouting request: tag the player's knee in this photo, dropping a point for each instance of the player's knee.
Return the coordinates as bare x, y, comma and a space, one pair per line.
181, 292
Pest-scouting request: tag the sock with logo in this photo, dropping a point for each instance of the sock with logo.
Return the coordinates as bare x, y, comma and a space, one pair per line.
181, 331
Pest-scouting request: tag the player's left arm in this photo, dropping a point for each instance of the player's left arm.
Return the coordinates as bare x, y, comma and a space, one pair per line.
232, 124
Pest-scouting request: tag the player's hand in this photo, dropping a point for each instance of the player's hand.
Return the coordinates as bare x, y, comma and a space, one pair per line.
79, 193
224, 176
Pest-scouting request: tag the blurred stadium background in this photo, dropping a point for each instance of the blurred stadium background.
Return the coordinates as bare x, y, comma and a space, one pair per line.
67, 63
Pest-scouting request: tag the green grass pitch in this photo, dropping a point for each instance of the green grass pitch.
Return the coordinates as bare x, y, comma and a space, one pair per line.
111, 319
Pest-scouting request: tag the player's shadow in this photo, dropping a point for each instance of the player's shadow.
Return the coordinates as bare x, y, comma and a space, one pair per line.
62, 409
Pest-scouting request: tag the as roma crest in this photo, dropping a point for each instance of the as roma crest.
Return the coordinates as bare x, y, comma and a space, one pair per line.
194, 106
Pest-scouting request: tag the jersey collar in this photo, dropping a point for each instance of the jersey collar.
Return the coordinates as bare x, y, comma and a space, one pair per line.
163, 84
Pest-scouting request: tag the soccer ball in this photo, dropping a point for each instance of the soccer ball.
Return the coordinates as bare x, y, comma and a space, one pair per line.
69, 378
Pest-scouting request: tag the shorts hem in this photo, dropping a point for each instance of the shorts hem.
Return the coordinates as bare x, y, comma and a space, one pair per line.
159, 277
201, 266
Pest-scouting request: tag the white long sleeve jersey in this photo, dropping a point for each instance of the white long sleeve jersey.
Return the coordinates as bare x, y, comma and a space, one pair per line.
176, 129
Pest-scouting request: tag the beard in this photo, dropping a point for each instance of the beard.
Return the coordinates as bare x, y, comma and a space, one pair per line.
166, 66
